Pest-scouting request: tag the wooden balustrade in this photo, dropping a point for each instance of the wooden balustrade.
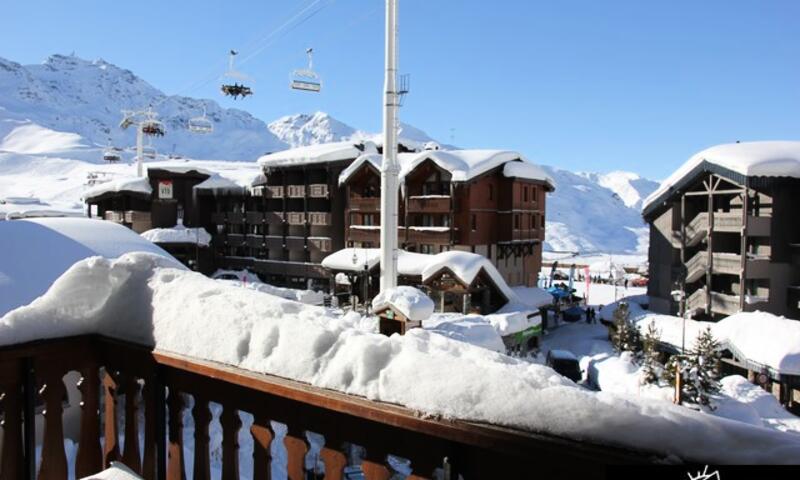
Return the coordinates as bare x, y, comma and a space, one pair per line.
119, 379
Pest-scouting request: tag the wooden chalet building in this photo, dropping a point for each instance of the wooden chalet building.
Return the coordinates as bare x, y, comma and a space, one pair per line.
723, 231
482, 201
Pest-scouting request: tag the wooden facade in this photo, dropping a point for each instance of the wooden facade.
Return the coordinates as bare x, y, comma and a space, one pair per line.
498, 217
729, 242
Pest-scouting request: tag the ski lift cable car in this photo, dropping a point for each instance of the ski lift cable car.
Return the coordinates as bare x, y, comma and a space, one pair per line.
306, 79
201, 124
111, 153
231, 85
151, 126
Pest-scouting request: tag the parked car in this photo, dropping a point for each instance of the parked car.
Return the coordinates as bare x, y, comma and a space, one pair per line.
565, 363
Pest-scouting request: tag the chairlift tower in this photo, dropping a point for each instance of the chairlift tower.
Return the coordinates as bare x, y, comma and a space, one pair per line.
146, 124
389, 166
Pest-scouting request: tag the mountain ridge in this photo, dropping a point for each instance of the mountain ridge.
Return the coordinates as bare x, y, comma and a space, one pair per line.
71, 106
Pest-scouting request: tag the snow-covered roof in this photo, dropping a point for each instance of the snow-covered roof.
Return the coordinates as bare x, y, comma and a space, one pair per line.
408, 263
218, 183
466, 266
183, 167
463, 165
751, 159
320, 153
178, 234
410, 301
116, 471
763, 338
527, 170
14, 208
44, 248
139, 185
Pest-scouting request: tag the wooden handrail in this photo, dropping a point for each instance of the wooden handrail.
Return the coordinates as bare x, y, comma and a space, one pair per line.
471, 449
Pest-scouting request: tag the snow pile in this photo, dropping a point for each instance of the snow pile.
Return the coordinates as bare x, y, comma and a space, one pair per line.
38, 251
179, 234
752, 159
124, 184
117, 471
527, 170
13, 208
512, 322
410, 301
137, 298
466, 266
763, 338
744, 401
472, 329
246, 279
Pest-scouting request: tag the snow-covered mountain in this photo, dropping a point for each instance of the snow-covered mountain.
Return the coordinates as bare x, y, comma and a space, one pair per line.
591, 212
68, 108
70, 94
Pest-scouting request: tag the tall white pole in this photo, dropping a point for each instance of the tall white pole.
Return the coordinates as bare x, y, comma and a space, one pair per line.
139, 148
389, 166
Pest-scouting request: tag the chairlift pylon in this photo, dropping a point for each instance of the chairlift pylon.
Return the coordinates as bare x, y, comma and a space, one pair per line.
201, 125
231, 85
149, 151
306, 79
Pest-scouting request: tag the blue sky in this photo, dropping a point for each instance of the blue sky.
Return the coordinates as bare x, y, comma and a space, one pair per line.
581, 84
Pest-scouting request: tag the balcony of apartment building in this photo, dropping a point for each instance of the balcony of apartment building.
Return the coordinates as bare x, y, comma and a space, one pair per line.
731, 222
429, 204
429, 229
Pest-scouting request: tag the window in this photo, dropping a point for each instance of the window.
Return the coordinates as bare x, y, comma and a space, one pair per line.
525, 193
425, 248
491, 192
474, 222
516, 221
368, 219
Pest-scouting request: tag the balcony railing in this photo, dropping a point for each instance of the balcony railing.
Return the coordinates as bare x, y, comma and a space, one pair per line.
111, 370
368, 204
429, 204
318, 190
429, 235
355, 234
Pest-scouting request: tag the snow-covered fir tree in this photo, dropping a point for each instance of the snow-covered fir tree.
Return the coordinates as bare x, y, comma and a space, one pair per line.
625, 336
651, 364
699, 370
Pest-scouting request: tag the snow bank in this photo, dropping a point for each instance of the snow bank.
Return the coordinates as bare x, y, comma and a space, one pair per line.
38, 251
410, 301
140, 298
117, 471
124, 184
753, 159
472, 329
763, 338
246, 279
178, 234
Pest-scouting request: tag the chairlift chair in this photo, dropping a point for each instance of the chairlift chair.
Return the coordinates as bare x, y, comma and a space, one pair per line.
231, 85
306, 79
201, 125
111, 155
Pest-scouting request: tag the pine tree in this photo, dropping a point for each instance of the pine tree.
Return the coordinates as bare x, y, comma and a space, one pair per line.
651, 366
704, 374
625, 336
699, 370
